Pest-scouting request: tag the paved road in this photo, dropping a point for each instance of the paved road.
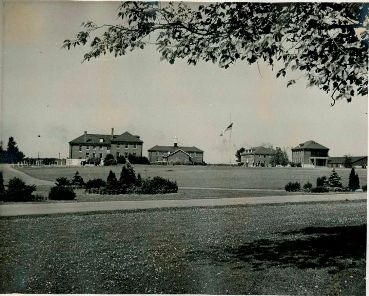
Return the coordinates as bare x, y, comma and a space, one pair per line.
10, 172
21, 209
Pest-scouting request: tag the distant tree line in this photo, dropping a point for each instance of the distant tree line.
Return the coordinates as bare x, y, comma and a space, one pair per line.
12, 154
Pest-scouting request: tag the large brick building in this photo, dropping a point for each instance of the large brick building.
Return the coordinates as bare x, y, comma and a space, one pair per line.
176, 155
98, 146
310, 154
257, 156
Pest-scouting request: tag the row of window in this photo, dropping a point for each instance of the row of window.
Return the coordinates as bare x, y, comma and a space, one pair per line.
126, 146
101, 155
168, 152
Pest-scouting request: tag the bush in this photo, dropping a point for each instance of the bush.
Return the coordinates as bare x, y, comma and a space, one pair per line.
364, 188
293, 186
62, 181
121, 159
307, 186
298, 165
18, 191
95, 183
109, 160
158, 185
62, 193
2, 187
93, 160
319, 189
321, 181
138, 159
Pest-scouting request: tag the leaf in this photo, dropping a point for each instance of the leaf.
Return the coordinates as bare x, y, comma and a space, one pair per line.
291, 82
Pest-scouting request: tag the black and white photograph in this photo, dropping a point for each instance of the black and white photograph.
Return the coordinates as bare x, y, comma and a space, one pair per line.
215, 148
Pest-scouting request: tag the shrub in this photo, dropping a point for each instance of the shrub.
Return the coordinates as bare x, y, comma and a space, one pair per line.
364, 188
18, 191
307, 186
158, 185
298, 165
77, 180
354, 182
321, 181
293, 186
62, 193
62, 181
121, 159
95, 183
138, 159
319, 189
109, 160
93, 160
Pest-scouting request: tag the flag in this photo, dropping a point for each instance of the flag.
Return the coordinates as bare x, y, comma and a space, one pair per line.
228, 128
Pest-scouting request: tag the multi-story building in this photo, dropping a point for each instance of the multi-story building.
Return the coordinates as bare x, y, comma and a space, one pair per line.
257, 156
310, 154
176, 154
89, 146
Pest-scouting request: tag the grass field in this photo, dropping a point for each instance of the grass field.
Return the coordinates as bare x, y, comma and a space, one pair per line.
305, 249
205, 176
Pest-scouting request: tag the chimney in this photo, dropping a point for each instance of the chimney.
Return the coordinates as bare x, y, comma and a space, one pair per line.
85, 138
112, 132
175, 142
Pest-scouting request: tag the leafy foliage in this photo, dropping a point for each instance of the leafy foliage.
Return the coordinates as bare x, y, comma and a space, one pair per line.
95, 183
319, 189
62, 181
62, 193
157, 185
121, 159
321, 181
326, 42
238, 154
127, 175
2, 187
307, 186
12, 154
292, 186
18, 191
138, 159
109, 160
347, 162
279, 157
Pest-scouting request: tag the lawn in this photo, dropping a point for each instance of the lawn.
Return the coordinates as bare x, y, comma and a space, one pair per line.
301, 249
205, 176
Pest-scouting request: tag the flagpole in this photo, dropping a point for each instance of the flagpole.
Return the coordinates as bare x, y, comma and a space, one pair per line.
230, 140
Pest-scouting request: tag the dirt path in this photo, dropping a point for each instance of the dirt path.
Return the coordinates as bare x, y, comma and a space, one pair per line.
76, 207
9, 172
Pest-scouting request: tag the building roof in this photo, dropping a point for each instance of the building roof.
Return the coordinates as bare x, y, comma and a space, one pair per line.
341, 159
127, 137
172, 149
259, 150
177, 151
310, 145
107, 139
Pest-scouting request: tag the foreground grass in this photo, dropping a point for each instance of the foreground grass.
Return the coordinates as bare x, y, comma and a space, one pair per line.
305, 249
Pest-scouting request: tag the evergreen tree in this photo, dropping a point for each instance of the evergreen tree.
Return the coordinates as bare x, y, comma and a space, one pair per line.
127, 176
334, 180
13, 153
2, 187
354, 182
77, 180
111, 181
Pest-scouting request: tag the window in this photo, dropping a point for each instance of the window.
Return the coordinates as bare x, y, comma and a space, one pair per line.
87, 154
134, 145
80, 149
94, 147
101, 147
126, 153
100, 155
126, 146
87, 147
118, 146
101, 140
94, 154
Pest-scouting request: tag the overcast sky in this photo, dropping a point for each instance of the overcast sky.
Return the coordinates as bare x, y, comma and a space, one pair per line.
47, 91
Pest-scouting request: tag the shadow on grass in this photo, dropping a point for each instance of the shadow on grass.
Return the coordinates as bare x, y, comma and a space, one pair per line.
335, 248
